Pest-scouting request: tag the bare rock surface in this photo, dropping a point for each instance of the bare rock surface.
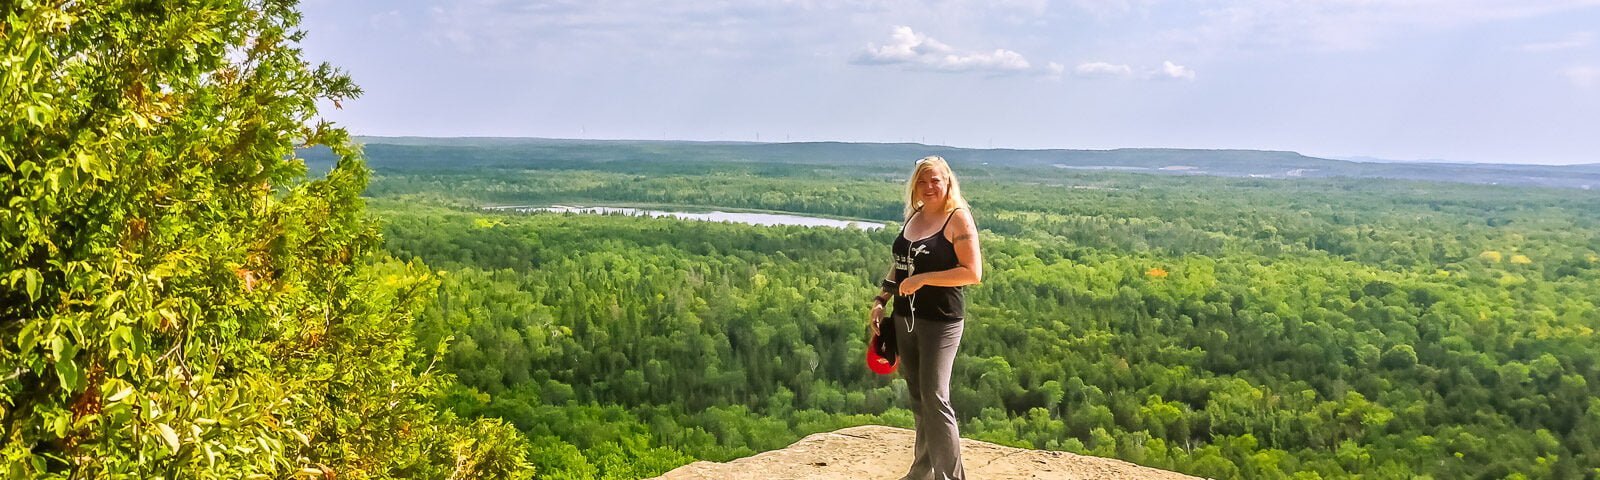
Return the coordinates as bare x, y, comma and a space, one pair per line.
878, 452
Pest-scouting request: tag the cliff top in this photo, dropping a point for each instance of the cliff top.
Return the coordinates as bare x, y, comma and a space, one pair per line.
874, 451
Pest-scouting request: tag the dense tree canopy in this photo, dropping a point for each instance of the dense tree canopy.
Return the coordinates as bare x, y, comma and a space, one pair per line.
177, 300
1221, 327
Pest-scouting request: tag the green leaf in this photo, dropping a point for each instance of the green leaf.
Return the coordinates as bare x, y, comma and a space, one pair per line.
168, 435
60, 423
122, 337
121, 394
28, 337
32, 277
89, 164
71, 376
34, 115
110, 300
58, 346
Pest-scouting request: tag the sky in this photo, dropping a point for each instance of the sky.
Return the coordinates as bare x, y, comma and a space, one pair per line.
1488, 81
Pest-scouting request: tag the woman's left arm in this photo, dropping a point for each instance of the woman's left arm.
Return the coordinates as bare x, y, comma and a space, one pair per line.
969, 271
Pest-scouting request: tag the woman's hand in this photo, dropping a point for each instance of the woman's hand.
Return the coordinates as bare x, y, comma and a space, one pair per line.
912, 283
876, 317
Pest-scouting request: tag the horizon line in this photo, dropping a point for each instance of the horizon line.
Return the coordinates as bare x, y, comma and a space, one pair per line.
1368, 159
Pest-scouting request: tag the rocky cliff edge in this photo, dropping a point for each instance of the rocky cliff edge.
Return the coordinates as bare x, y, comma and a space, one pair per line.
878, 452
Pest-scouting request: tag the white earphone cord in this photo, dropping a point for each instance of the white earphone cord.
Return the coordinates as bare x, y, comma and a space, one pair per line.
912, 325
911, 267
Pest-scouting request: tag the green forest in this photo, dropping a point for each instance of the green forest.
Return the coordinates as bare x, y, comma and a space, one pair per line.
188, 289
1223, 327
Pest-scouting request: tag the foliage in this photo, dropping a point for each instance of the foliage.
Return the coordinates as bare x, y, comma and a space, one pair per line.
176, 299
1224, 327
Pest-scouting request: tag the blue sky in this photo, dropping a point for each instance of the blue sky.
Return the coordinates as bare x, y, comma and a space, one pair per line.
1458, 80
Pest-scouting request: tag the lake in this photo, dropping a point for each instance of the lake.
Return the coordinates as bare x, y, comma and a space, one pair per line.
768, 219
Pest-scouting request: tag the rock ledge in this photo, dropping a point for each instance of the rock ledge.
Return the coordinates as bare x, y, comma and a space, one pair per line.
873, 451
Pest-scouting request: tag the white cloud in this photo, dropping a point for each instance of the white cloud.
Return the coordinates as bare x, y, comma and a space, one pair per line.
1175, 71
1102, 70
1054, 70
913, 50
1583, 76
744, 30
1167, 71
1575, 40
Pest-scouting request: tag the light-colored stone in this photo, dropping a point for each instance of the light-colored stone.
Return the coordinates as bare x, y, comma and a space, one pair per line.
878, 452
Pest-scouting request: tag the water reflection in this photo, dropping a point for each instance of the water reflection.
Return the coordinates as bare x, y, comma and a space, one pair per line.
768, 219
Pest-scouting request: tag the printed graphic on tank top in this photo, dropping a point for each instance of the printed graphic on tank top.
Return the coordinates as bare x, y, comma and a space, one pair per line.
930, 254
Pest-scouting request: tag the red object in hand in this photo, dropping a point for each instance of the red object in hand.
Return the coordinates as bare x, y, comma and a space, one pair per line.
881, 355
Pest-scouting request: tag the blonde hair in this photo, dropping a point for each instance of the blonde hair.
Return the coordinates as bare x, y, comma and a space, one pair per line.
952, 197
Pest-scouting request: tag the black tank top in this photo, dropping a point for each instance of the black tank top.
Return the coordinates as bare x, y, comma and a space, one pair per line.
932, 254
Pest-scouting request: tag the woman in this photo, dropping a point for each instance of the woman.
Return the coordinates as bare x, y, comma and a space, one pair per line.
935, 255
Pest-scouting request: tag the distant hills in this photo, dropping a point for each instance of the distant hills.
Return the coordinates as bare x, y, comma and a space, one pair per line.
494, 152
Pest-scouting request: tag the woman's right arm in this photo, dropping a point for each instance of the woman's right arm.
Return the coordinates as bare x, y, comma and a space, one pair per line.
879, 302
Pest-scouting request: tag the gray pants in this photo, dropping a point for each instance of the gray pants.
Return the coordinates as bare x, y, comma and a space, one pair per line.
927, 352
